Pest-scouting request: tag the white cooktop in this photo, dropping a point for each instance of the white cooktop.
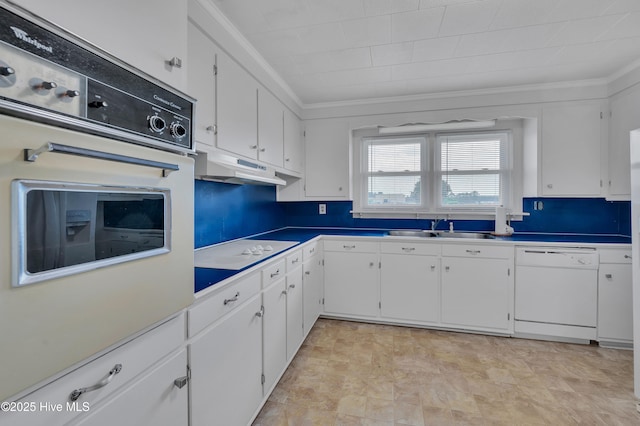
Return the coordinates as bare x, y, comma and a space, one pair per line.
239, 254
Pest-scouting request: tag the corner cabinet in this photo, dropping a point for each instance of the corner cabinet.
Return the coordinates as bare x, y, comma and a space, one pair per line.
327, 159
351, 281
161, 43
624, 119
477, 287
571, 149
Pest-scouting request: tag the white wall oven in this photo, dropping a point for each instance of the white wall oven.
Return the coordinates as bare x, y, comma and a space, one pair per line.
96, 202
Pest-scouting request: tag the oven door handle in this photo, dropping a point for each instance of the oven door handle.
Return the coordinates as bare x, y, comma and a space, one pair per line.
32, 155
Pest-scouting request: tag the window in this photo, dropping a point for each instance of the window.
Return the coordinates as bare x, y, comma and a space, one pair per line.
473, 169
432, 173
393, 171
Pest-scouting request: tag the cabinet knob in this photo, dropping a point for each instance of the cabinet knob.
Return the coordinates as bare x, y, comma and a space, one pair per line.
340, 188
253, 146
180, 382
433, 267
287, 159
446, 268
175, 62
549, 185
608, 276
263, 149
371, 264
626, 256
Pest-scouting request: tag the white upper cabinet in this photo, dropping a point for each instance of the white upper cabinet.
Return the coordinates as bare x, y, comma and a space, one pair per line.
270, 128
293, 140
571, 150
201, 56
625, 117
237, 108
146, 34
327, 159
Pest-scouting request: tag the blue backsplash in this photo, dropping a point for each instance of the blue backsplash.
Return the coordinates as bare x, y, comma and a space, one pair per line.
224, 212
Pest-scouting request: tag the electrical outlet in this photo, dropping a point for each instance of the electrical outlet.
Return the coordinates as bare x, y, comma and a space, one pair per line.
322, 209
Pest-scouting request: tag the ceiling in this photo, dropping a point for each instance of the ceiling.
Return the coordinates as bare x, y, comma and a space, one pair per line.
343, 50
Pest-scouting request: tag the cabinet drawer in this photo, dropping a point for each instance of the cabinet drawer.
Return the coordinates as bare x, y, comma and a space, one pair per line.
133, 358
273, 272
206, 312
351, 246
310, 250
477, 250
615, 255
410, 248
294, 260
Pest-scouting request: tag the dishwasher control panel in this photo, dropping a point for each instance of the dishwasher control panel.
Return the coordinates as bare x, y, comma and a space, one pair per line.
552, 257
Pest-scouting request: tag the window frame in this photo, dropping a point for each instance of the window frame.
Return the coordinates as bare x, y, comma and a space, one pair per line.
430, 187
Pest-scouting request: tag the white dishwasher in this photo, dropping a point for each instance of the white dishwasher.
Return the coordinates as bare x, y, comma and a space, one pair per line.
556, 293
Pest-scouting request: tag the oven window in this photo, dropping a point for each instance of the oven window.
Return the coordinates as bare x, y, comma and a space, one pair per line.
67, 229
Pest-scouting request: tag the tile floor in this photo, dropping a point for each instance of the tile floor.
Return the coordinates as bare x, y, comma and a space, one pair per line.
349, 373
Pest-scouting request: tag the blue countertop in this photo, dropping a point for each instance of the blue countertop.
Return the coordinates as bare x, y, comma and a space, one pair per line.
206, 277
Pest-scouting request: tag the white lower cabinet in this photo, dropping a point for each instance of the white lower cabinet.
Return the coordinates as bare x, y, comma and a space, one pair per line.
477, 287
312, 286
274, 332
295, 331
410, 282
351, 279
154, 399
226, 368
615, 307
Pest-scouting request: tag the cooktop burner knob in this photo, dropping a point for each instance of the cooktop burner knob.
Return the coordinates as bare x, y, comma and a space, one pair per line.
7, 71
177, 130
157, 123
71, 93
45, 85
98, 104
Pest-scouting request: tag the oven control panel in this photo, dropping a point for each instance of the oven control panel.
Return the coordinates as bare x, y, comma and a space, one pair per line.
47, 76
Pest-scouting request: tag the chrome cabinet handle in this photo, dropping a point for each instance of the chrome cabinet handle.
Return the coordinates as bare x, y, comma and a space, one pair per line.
263, 149
349, 247
175, 62
32, 155
474, 252
292, 286
253, 146
102, 383
307, 272
233, 299
608, 276
626, 256
285, 292
260, 313
408, 249
276, 273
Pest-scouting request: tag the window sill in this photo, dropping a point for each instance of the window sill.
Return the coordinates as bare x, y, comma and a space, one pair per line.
446, 215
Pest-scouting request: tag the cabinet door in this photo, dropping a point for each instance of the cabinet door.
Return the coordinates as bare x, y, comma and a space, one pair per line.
351, 283
201, 55
571, 150
154, 399
409, 287
293, 141
237, 108
327, 158
274, 299
147, 34
624, 119
295, 332
312, 292
615, 308
475, 293
226, 369
270, 128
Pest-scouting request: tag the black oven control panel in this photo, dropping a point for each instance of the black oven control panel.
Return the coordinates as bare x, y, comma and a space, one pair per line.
49, 77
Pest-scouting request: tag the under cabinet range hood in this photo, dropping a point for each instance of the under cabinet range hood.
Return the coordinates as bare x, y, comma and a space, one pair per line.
221, 167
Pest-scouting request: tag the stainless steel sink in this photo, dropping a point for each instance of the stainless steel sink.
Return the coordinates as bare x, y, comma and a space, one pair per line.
471, 235
411, 233
439, 234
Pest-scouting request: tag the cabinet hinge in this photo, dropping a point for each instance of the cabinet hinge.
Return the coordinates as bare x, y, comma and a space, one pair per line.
379, 305
600, 183
322, 262
262, 379
323, 300
379, 265
215, 70
508, 272
601, 115
304, 134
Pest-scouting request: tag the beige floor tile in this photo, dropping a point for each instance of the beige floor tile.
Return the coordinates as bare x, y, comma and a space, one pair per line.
350, 373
